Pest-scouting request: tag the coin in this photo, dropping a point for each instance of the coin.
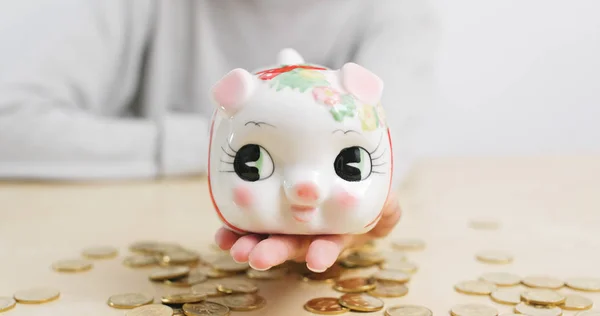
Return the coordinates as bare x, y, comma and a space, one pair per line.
494, 256
388, 275
362, 258
589, 313
271, 274
501, 278
140, 261
361, 302
329, 275
7, 303
227, 264
408, 244
129, 300
506, 296
473, 310
408, 310
179, 257
150, 310
205, 308
169, 273
211, 272
208, 288
394, 256
178, 311
241, 302
541, 281
36, 295
534, 310
325, 306
354, 285
182, 298
100, 252
72, 265
153, 247
542, 297
404, 266
389, 289
576, 302
236, 287
475, 287
584, 284
484, 224
187, 280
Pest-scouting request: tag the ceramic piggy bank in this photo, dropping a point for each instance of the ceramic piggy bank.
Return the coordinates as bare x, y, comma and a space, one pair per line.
299, 149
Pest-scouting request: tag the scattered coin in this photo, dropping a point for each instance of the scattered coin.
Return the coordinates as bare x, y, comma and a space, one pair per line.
72, 265
354, 285
7, 303
389, 289
362, 258
271, 274
361, 302
540, 281
129, 300
208, 288
535, 310
589, 313
187, 281
36, 295
140, 261
394, 256
408, 310
182, 298
227, 264
241, 302
584, 284
236, 287
576, 302
153, 247
506, 296
211, 272
473, 310
178, 311
169, 273
325, 306
475, 287
501, 278
329, 275
101, 252
387, 275
205, 308
151, 310
494, 256
484, 224
404, 266
542, 297
179, 257
408, 244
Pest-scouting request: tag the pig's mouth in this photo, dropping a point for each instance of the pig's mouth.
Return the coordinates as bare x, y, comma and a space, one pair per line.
303, 213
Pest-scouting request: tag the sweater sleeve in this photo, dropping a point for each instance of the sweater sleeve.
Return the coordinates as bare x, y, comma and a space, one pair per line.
398, 45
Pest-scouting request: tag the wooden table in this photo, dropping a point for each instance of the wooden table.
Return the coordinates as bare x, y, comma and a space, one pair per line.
549, 210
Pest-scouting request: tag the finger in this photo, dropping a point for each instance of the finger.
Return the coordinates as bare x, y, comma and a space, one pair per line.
243, 246
276, 250
225, 238
324, 251
389, 220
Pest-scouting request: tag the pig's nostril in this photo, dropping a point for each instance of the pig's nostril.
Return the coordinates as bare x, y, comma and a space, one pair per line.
307, 191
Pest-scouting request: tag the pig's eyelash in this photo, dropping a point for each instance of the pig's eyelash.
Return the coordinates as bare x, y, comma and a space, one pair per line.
228, 155
377, 156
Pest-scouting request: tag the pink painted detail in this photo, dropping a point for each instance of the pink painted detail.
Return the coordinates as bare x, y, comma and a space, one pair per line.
242, 197
233, 90
307, 191
303, 214
326, 95
362, 83
346, 200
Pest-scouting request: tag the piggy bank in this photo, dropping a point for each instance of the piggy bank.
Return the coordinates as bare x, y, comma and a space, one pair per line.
300, 149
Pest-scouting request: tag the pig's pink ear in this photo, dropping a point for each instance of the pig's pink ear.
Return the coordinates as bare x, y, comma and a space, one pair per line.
233, 90
362, 83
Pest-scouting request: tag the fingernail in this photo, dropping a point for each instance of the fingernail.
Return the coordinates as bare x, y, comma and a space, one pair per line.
315, 270
251, 266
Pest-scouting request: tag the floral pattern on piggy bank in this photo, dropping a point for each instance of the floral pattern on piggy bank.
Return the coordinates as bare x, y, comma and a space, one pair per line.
299, 149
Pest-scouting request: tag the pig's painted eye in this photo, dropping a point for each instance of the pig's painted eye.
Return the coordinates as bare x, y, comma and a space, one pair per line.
353, 164
252, 163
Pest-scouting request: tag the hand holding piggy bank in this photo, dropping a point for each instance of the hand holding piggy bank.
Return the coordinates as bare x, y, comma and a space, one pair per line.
299, 149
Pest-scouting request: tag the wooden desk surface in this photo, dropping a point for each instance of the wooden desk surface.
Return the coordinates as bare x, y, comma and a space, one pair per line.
549, 210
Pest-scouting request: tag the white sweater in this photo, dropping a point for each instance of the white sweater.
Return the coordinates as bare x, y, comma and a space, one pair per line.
118, 89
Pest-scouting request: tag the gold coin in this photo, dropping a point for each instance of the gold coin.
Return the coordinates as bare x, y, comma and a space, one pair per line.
73, 265
227, 264
182, 298
211, 272
325, 306
140, 261
362, 258
394, 256
151, 310
501, 278
329, 275
205, 308
542, 297
236, 287
404, 266
7, 303
408, 310
389, 289
391, 276
101, 252
153, 247
589, 313
36, 295
271, 274
484, 224
354, 285
576, 302
208, 288
179, 257
473, 310
178, 311
541, 281
475, 287
506, 296
187, 281
361, 302
584, 284
129, 300
536, 310
494, 256
408, 244
169, 273
241, 302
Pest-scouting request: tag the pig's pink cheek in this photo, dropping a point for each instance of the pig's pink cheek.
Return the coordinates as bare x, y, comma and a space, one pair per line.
242, 197
346, 200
